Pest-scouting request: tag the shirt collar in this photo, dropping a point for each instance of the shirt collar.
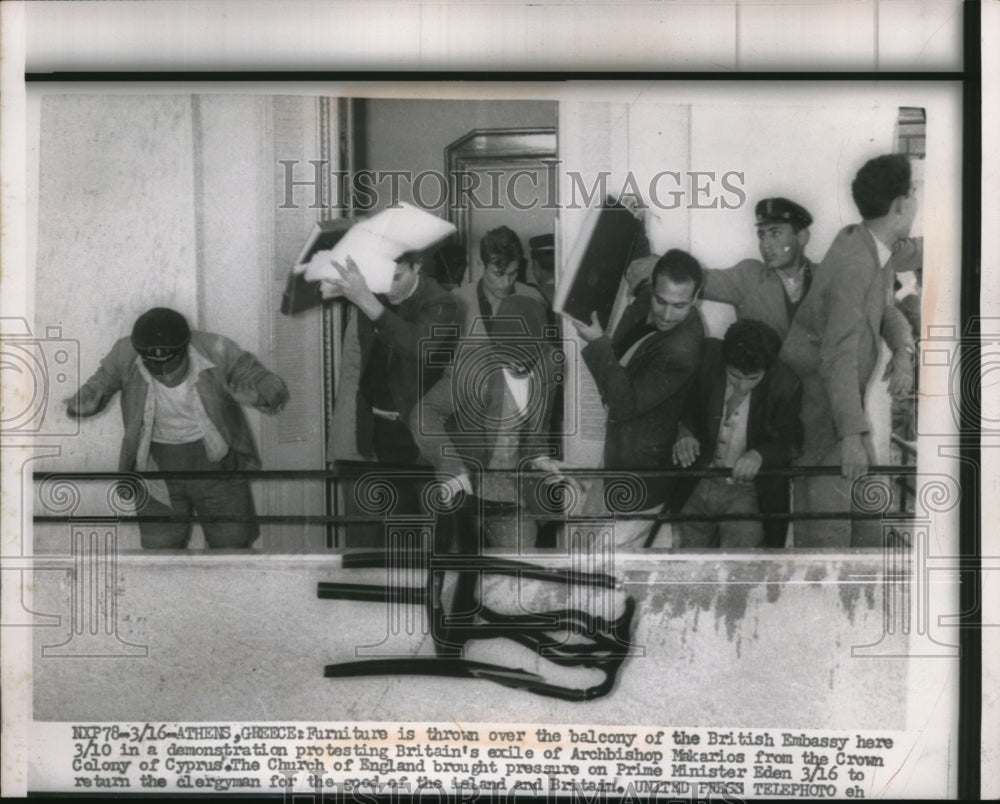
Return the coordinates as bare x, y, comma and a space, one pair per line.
884, 252
519, 388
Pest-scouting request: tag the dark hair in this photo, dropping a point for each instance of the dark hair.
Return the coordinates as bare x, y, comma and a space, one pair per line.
880, 182
750, 346
679, 267
500, 246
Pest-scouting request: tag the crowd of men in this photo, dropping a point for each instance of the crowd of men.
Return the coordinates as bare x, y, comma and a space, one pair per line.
784, 387
787, 390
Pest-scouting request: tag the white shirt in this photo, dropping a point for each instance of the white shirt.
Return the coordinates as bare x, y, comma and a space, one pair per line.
732, 441
519, 388
215, 445
884, 252
793, 284
884, 255
175, 421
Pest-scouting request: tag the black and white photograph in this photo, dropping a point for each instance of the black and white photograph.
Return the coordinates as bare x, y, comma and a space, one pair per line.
554, 439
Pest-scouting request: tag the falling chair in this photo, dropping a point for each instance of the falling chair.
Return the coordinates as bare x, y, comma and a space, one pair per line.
564, 637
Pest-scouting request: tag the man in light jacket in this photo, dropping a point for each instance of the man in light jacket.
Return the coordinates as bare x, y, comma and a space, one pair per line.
181, 397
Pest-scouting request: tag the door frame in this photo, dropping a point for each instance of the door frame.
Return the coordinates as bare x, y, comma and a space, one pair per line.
484, 148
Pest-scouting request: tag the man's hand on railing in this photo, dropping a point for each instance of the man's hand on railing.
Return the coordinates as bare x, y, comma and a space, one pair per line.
854, 457
747, 466
686, 450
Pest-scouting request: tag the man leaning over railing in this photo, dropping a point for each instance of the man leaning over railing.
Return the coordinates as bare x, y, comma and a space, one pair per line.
743, 415
181, 397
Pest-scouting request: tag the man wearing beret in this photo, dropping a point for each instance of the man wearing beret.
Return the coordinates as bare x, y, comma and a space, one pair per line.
181, 397
833, 346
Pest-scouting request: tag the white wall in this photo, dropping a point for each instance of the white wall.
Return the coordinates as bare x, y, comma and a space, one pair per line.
169, 200
116, 235
807, 156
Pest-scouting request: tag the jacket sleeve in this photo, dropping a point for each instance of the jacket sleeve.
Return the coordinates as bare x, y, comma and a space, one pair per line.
784, 424
628, 397
725, 285
907, 255
895, 328
846, 300
243, 370
428, 427
406, 336
104, 383
693, 418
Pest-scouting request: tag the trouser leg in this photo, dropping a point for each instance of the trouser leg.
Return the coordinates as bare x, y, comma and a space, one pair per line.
393, 447
816, 495
831, 493
212, 497
169, 535
739, 498
504, 529
699, 534
227, 497
166, 535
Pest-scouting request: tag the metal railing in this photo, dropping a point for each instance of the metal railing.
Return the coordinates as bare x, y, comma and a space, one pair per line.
354, 471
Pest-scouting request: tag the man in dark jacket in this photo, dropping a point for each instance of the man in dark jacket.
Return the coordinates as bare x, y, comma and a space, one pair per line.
743, 415
393, 333
390, 331
644, 376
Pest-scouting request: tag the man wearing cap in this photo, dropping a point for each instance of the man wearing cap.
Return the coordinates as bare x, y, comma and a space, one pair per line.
833, 346
181, 397
489, 416
772, 288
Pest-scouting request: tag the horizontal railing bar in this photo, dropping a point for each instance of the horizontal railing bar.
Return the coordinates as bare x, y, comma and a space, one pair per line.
300, 519
334, 474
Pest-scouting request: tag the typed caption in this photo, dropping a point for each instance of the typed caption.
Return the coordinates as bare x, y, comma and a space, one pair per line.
352, 761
